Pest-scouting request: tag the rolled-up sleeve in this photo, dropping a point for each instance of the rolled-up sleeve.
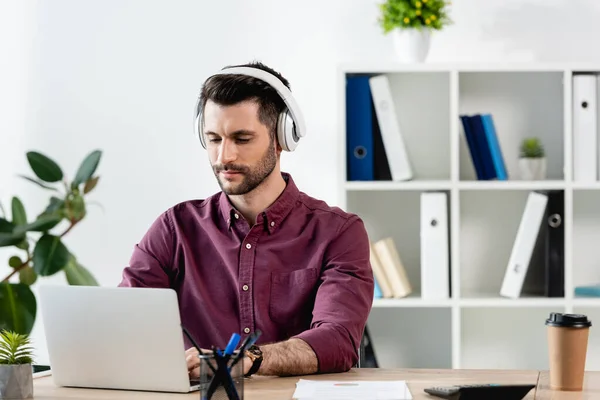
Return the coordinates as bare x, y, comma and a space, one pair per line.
343, 300
151, 263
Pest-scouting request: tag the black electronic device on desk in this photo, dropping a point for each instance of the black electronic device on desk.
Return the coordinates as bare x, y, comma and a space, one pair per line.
486, 391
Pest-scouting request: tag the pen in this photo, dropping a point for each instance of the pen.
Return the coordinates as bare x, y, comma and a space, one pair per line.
233, 342
191, 339
249, 341
196, 346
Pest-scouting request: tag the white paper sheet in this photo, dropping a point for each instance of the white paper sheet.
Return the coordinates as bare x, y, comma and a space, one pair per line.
350, 390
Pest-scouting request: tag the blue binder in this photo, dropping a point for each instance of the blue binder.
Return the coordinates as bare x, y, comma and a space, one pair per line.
359, 129
494, 145
473, 146
485, 152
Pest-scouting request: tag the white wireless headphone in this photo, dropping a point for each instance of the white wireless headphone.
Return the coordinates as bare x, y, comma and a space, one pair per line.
290, 123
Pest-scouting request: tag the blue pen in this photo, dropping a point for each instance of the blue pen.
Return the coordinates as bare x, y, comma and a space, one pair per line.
233, 342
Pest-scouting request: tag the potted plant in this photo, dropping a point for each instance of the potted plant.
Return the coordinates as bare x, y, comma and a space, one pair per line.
411, 23
39, 250
532, 160
16, 373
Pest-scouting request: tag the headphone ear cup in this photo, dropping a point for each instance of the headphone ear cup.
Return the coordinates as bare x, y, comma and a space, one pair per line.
199, 131
288, 140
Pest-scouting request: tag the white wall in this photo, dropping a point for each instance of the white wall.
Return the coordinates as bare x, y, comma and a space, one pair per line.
123, 77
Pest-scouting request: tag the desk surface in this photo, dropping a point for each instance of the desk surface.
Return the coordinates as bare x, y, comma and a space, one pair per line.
271, 388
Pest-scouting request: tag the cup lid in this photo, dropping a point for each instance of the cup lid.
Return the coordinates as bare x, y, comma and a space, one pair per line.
568, 320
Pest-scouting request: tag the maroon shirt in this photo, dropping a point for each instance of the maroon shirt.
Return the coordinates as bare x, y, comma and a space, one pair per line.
301, 271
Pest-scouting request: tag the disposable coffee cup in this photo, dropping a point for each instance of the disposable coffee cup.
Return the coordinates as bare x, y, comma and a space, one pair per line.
567, 348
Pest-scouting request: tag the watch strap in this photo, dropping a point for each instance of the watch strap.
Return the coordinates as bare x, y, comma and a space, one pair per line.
256, 361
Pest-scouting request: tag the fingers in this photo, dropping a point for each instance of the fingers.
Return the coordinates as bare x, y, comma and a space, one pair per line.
191, 358
195, 372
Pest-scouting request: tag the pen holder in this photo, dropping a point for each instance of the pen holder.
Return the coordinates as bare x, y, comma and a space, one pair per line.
219, 380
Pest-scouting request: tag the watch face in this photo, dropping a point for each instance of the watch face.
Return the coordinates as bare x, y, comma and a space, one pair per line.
255, 352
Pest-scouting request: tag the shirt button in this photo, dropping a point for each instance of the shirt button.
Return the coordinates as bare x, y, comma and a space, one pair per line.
272, 223
248, 245
246, 330
245, 288
236, 216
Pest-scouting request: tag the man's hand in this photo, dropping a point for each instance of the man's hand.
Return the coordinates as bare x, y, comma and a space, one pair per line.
193, 362
287, 358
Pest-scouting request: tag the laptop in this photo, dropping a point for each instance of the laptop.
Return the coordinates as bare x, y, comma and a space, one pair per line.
115, 338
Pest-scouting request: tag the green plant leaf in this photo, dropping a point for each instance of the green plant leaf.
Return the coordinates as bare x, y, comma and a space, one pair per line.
90, 184
77, 274
18, 307
15, 348
19, 216
15, 261
76, 207
7, 236
87, 167
55, 207
49, 255
43, 167
6, 226
27, 276
42, 184
43, 224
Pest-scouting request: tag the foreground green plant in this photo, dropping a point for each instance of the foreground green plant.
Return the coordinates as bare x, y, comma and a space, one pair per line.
15, 348
42, 252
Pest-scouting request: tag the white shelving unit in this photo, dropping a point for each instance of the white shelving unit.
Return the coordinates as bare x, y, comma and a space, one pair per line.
475, 328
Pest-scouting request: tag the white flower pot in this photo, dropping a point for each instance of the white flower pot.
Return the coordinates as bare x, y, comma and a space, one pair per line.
411, 45
532, 169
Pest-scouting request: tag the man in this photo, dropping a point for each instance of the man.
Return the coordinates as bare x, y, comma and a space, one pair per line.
260, 254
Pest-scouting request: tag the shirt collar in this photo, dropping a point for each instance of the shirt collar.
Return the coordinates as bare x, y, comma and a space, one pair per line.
271, 217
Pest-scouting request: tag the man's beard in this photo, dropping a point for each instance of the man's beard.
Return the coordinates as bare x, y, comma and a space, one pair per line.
251, 178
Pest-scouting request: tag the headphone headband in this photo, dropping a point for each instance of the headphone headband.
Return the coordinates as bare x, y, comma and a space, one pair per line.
298, 129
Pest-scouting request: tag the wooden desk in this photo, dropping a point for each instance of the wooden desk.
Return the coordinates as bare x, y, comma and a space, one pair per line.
273, 388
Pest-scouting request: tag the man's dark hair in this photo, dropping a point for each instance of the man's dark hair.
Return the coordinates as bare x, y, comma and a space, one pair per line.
233, 89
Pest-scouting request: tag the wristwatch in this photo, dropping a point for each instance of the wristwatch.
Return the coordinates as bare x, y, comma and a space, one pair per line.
254, 353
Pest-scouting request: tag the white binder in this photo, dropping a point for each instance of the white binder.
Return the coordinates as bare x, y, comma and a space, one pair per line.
585, 129
524, 244
389, 126
435, 258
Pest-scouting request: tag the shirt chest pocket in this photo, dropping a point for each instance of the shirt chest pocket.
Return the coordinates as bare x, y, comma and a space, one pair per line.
292, 299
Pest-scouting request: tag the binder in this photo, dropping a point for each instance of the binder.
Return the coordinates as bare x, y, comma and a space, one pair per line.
483, 147
435, 249
585, 129
555, 244
400, 167
471, 140
359, 129
524, 245
546, 273
494, 146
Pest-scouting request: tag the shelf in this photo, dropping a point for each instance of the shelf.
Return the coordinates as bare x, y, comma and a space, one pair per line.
423, 185
586, 185
509, 67
410, 302
522, 104
390, 185
492, 301
586, 302
413, 338
512, 185
477, 328
510, 338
